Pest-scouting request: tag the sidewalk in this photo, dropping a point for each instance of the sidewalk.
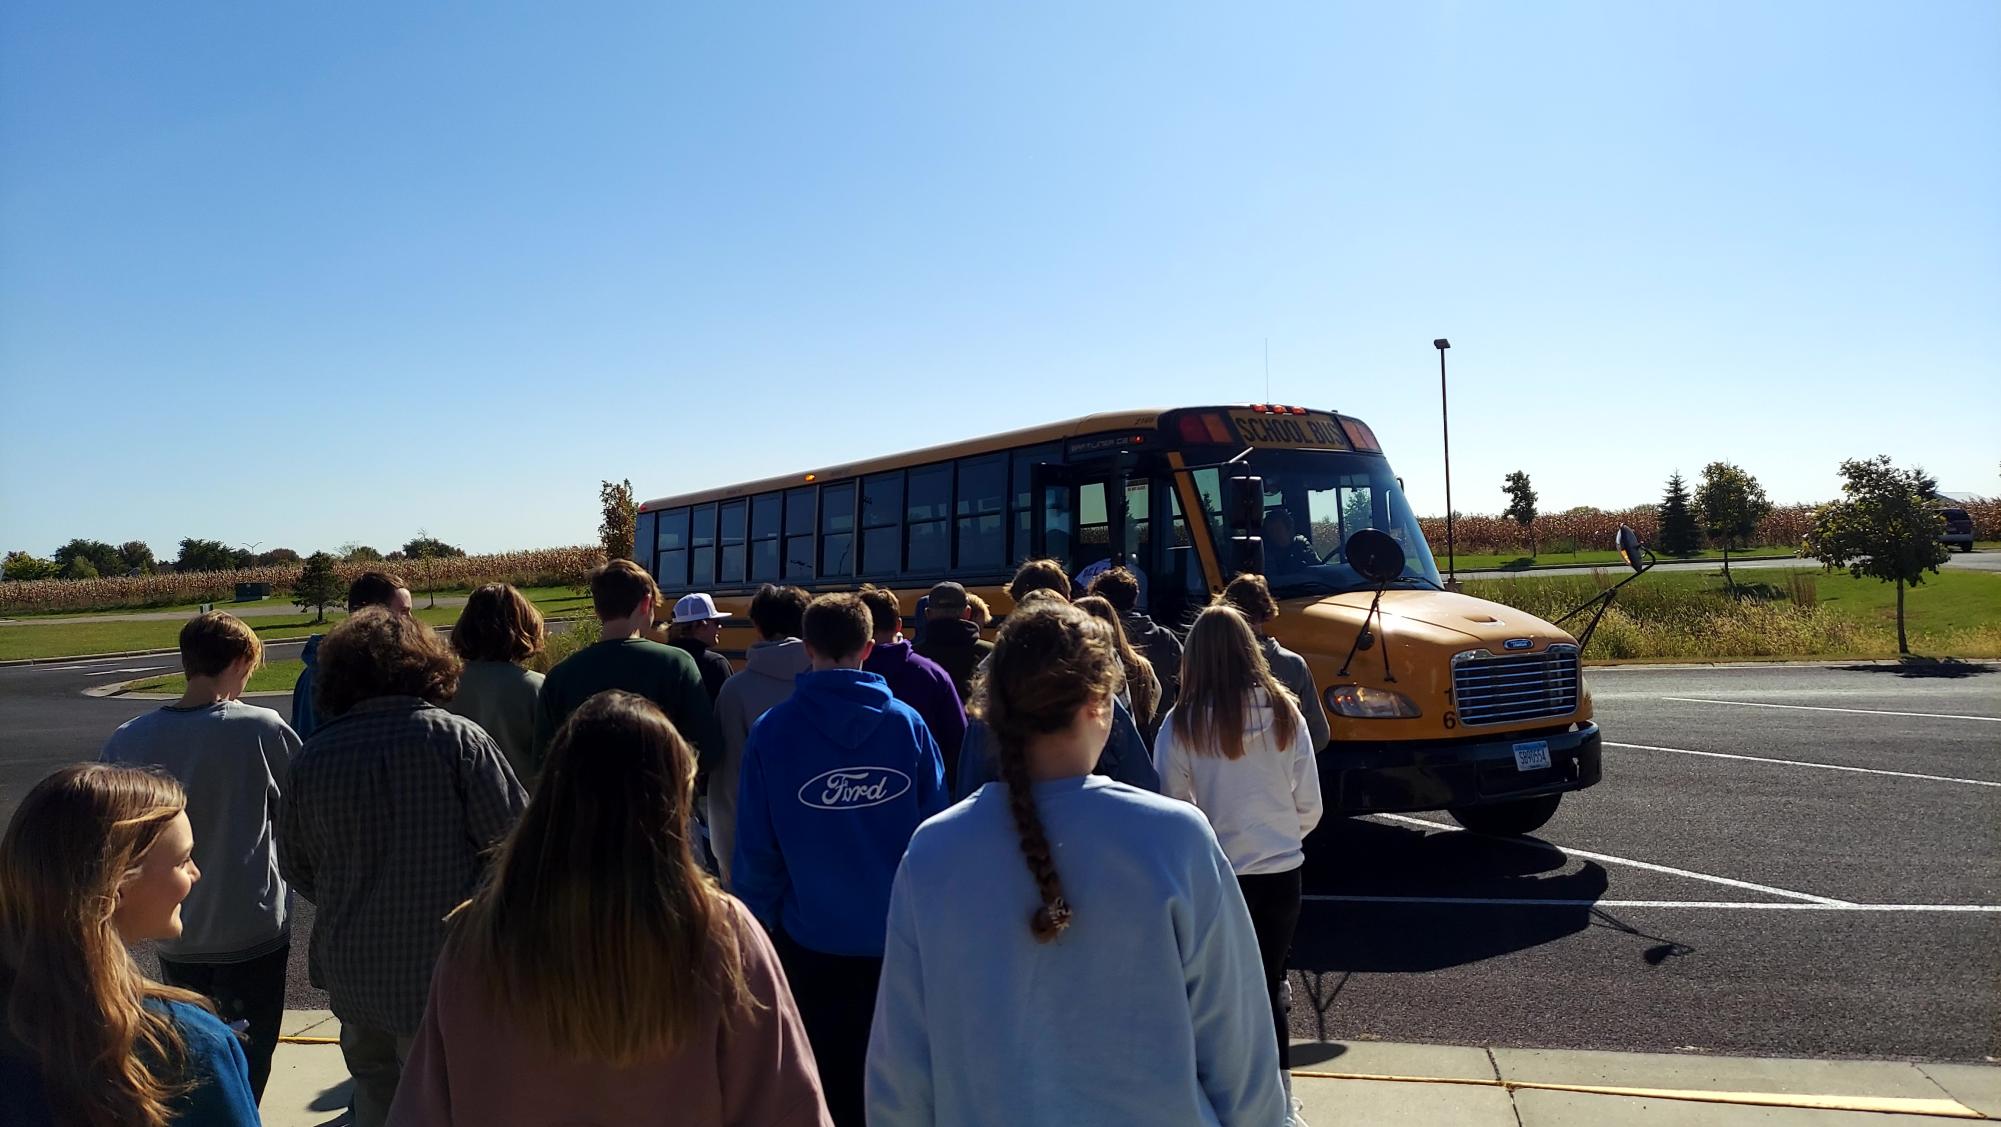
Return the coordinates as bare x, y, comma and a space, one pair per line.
1372, 1084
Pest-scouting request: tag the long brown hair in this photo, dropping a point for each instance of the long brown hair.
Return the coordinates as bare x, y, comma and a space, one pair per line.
72, 993
1049, 661
498, 624
598, 932
1141, 679
1222, 666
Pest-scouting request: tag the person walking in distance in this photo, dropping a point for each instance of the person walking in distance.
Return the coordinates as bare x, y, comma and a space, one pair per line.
698, 629
1067, 910
599, 976
1140, 690
369, 589
834, 781
773, 664
624, 596
392, 805
951, 637
1251, 597
498, 631
1236, 746
98, 857
915, 680
232, 759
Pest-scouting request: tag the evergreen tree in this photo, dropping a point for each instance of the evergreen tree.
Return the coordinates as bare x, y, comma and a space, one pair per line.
319, 587
1680, 535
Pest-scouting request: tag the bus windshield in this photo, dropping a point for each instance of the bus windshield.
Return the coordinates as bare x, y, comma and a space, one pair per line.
1314, 501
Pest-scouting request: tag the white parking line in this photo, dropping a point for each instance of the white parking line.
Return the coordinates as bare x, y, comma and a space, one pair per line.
1803, 763
108, 672
1825, 708
1648, 865
1753, 906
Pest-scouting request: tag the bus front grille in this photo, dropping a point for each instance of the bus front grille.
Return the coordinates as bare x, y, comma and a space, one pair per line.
1506, 690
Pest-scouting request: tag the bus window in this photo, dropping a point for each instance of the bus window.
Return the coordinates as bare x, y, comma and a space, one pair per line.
670, 566
1094, 528
882, 524
765, 513
643, 545
799, 533
733, 516
1139, 523
982, 497
1022, 483
928, 511
702, 542
837, 530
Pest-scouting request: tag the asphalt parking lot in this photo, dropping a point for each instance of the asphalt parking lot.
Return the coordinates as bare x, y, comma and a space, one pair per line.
1782, 860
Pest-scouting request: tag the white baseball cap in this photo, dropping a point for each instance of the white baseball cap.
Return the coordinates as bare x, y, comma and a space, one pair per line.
697, 607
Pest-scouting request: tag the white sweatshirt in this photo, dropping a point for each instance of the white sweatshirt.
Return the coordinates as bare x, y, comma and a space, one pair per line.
1262, 805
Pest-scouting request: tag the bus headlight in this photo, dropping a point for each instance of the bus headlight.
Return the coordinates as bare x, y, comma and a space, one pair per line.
1365, 702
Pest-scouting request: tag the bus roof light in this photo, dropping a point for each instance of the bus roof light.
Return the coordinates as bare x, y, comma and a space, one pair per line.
1219, 431
1299, 410
1260, 408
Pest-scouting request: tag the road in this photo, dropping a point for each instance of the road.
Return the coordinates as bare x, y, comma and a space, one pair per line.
1960, 561
1703, 897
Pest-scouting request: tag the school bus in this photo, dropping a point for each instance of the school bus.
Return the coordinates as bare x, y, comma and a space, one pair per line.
1449, 702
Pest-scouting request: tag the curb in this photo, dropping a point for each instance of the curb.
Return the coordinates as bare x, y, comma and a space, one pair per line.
21, 661
1942, 1108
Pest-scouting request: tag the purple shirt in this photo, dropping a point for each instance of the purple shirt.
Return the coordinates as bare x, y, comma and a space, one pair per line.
924, 685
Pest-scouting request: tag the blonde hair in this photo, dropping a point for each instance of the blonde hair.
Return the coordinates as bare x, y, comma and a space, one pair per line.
1221, 668
597, 931
1141, 679
211, 643
73, 997
1049, 661
983, 616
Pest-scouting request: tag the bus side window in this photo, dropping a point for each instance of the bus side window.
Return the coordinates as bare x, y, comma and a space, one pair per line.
837, 530
928, 509
735, 515
766, 511
643, 547
799, 517
1094, 527
670, 563
882, 524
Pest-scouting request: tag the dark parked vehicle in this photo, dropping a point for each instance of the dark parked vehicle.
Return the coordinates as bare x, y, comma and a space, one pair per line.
1958, 529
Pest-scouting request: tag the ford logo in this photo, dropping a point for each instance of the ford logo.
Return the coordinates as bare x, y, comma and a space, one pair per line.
1517, 643
851, 788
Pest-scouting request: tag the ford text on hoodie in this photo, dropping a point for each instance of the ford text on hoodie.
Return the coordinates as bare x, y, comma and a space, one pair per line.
834, 782
769, 670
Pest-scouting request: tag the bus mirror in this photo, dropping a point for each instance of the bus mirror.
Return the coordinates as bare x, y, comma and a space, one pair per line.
1244, 502
1248, 554
1375, 555
1628, 543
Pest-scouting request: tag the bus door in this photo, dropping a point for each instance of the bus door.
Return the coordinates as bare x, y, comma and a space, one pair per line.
1080, 514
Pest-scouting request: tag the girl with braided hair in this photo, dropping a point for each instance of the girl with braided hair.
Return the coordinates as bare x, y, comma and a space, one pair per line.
1034, 925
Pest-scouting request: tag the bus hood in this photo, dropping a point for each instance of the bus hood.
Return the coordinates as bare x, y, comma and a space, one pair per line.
1440, 617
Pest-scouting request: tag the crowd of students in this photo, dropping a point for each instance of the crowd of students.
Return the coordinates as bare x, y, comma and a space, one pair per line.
1047, 878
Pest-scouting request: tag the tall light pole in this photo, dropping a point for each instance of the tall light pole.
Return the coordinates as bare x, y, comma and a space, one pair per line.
1445, 424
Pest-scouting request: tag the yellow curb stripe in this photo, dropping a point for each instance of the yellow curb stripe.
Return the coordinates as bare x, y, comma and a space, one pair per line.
295, 1040
1887, 1105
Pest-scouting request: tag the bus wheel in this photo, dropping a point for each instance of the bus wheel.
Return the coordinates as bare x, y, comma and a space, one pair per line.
1509, 819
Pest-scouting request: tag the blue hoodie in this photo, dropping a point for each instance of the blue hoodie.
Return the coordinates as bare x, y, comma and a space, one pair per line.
304, 720
834, 782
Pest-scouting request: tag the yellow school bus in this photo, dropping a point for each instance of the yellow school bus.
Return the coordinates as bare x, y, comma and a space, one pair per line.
1448, 702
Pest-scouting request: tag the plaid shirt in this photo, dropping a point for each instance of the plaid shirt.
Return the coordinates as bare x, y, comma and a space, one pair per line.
384, 826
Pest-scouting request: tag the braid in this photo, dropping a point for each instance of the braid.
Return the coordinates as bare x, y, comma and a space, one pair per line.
1053, 915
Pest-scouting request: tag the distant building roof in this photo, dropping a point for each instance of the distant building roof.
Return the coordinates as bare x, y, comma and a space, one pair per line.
1956, 498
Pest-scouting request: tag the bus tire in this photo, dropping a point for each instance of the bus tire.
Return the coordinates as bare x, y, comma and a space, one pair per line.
1509, 819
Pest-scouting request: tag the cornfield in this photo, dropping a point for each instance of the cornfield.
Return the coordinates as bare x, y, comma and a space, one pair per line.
545, 567
1593, 529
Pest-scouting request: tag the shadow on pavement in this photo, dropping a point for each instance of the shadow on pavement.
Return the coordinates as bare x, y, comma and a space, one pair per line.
1949, 667
336, 1098
1317, 1052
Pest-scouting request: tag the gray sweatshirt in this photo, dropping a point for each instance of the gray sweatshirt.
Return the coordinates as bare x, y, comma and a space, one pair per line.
766, 680
233, 759
1291, 671
502, 697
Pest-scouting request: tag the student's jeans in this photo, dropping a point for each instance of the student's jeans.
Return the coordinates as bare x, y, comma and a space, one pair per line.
836, 999
1273, 899
375, 1059
252, 992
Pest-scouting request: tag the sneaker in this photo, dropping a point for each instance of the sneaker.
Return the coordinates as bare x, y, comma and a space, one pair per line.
1292, 1116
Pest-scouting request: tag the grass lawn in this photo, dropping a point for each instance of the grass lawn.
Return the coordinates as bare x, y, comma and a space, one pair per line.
72, 639
1791, 612
1515, 561
277, 677
548, 598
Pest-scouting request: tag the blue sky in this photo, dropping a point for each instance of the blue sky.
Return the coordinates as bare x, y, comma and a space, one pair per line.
306, 274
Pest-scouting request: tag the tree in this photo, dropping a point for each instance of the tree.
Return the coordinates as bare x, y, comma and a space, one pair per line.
1730, 503
1883, 527
1521, 504
21, 565
319, 587
137, 556
352, 552
1679, 535
80, 567
621, 519
102, 558
277, 556
424, 547
205, 555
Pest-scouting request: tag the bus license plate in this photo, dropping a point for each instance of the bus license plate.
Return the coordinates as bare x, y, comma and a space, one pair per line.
1532, 755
